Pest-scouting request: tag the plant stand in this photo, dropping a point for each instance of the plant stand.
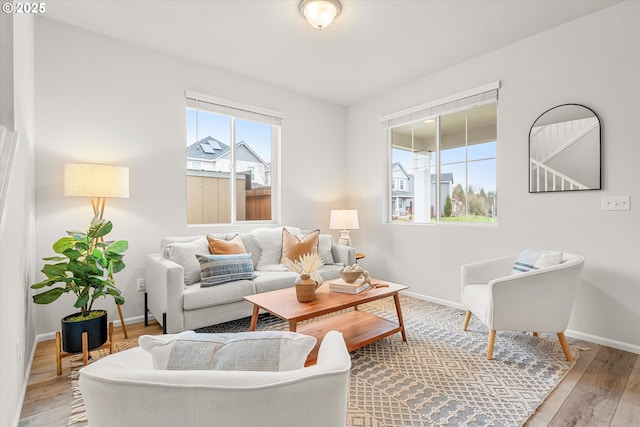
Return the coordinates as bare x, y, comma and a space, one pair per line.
85, 348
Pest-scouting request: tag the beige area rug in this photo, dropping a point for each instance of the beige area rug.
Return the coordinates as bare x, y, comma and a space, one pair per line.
440, 377
78, 417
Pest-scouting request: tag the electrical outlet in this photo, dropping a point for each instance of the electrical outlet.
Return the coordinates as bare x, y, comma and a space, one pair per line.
141, 284
616, 203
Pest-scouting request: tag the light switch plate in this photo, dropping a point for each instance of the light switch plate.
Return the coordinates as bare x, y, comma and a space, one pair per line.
616, 203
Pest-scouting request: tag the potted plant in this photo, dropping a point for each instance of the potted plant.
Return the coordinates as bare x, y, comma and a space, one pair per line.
308, 279
84, 266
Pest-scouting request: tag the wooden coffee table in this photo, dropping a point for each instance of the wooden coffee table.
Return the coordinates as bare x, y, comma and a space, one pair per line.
359, 328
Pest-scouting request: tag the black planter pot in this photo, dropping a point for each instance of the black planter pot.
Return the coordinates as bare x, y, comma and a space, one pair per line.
95, 328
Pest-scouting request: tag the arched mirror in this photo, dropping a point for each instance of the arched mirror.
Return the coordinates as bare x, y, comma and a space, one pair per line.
564, 150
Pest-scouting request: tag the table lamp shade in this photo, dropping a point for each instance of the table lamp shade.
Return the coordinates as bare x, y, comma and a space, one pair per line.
91, 180
344, 219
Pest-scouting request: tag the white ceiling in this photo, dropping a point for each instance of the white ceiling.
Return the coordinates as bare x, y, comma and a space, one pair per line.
372, 46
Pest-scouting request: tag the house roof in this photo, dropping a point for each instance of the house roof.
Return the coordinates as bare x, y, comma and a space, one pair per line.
207, 148
210, 149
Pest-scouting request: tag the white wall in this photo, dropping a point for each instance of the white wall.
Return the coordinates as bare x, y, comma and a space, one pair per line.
17, 330
104, 101
593, 61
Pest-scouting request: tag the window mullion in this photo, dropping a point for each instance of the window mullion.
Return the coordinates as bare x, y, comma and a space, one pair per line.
438, 169
232, 180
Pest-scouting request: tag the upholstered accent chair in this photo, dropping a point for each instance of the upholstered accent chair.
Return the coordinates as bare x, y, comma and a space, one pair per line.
538, 300
124, 389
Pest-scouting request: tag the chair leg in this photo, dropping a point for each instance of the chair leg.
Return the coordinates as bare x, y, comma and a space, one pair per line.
467, 317
492, 340
565, 346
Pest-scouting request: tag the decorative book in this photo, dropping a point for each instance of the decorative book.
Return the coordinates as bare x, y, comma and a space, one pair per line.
339, 285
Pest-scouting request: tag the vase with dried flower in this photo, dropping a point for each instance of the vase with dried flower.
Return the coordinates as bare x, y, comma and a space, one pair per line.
308, 280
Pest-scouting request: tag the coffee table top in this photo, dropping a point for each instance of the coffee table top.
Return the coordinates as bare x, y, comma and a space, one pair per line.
284, 304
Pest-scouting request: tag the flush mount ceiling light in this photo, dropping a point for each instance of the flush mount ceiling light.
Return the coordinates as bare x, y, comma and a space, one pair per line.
320, 13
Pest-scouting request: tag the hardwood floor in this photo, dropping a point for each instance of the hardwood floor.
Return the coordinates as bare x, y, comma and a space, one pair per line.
602, 389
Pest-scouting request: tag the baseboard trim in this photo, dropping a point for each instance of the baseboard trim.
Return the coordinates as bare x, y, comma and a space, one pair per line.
569, 332
620, 345
25, 383
52, 335
435, 300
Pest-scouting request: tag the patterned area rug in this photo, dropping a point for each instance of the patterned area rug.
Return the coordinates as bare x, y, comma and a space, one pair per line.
78, 417
441, 377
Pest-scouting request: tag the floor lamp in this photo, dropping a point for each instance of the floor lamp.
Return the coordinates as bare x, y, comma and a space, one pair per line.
97, 182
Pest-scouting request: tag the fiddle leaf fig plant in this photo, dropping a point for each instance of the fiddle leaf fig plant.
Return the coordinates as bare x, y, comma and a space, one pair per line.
84, 266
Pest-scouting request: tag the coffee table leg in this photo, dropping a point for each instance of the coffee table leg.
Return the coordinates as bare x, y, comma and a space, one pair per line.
293, 325
396, 298
254, 318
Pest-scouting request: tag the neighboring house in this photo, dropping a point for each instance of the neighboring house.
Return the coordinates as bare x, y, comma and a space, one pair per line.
211, 155
402, 190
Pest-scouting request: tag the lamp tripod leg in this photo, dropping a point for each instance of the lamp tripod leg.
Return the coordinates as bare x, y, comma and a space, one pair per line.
124, 328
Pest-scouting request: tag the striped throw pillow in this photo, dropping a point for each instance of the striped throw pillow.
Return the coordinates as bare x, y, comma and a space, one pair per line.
526, 261
217, 269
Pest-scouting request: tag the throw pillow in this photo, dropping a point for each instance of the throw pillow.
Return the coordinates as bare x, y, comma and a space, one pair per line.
293, 246
159, 347
324, 249
526, 261
269, 241
548, 259
185, 255
225, 247
217, 269
243, 351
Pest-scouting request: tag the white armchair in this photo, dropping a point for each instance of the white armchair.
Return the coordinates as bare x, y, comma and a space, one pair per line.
536, 301
124, 389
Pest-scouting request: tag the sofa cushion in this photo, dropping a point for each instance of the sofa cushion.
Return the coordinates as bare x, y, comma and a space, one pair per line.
217, 269
295, 246
195, 297
184, 253
244, 351
234, 245
272, 280
270, 242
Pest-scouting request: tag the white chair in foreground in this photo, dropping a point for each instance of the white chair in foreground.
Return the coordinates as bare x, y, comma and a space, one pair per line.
535, 301
124, 389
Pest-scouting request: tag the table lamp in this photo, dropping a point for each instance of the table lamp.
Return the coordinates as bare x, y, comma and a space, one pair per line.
344, 220
97, 182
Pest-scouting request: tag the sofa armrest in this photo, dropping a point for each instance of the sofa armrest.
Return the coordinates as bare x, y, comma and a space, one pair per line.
343, 254
165, 288
487, 270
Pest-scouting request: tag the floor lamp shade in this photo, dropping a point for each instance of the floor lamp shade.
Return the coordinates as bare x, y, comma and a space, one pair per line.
91, 180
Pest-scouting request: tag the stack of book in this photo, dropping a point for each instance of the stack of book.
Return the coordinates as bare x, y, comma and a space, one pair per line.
339, 285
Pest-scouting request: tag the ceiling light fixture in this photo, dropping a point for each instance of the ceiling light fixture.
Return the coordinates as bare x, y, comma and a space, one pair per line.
320, 13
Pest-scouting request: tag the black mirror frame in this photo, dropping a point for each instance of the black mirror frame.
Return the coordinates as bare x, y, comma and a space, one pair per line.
599, 150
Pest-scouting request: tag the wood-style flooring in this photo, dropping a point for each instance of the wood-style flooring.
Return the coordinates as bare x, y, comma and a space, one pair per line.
602, 389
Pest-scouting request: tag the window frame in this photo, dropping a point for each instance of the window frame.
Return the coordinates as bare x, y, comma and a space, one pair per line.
236, 110
462, 101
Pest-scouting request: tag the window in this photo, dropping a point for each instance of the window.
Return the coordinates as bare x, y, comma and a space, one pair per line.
443, 160
231, 161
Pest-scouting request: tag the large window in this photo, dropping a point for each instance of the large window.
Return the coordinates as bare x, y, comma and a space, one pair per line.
231, 161
446, 153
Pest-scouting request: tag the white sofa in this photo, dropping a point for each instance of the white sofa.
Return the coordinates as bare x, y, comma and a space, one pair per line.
177, 301
124, 389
